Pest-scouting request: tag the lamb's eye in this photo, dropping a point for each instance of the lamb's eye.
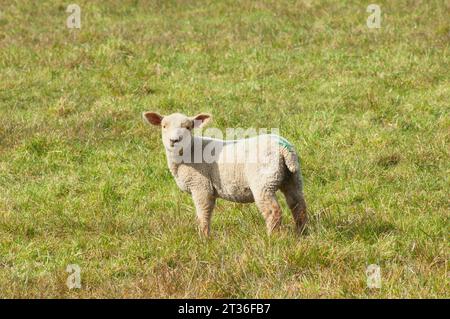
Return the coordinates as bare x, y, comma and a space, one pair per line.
164, 126
187, 126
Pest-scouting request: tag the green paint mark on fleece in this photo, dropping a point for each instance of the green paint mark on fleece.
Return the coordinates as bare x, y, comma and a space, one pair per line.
283, 142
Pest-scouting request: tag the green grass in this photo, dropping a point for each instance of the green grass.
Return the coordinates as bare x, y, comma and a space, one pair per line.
83, 180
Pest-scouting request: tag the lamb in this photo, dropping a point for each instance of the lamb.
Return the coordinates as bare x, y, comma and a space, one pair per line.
229, 174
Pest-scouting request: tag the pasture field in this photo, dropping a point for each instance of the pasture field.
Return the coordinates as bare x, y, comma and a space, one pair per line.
83, 180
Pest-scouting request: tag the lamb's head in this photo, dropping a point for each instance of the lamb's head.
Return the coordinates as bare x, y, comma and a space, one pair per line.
177, 128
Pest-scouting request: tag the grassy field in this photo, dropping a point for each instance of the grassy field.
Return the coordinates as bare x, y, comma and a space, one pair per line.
84, 181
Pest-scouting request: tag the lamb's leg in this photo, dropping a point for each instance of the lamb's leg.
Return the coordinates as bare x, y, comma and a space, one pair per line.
204, 204
296, 203
269, 207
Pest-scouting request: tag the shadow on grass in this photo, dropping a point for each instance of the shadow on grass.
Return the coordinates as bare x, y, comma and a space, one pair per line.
365, 229
366, 226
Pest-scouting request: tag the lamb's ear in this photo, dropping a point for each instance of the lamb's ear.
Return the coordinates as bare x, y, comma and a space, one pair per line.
201, 119
152, 118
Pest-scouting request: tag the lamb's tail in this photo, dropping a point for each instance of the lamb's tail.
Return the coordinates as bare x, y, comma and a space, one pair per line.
290, 159
289, 155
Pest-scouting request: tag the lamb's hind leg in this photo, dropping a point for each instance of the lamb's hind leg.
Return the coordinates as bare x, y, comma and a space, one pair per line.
296, 202
269, 207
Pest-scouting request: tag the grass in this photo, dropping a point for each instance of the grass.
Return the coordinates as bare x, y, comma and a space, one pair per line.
84, 181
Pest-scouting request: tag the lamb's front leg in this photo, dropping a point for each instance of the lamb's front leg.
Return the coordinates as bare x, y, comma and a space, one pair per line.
204, 205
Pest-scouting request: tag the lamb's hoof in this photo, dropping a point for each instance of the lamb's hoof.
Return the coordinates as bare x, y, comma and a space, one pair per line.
301, 230
204, 233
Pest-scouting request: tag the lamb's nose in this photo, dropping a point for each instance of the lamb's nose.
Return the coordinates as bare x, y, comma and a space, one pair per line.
172, 141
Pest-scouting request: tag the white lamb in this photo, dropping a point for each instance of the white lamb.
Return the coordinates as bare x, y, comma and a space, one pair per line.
232, 173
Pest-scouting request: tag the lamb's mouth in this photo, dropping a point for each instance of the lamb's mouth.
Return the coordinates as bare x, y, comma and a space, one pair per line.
175, 147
